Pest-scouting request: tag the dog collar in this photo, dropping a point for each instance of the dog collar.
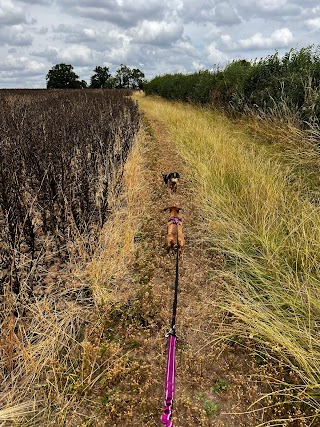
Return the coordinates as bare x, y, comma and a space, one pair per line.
175, 219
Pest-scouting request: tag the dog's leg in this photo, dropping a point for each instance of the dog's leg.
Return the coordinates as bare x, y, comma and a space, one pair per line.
174, 187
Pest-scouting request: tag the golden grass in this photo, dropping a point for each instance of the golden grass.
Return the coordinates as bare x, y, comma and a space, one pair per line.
15, 412
268, 230
115, 251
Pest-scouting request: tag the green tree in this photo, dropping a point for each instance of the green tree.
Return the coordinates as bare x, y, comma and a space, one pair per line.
126, 77
137, 79
100, 78
123, 77
111, 83
62, 76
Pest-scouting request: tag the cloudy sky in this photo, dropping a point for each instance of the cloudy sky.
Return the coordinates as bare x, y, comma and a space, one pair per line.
156, 36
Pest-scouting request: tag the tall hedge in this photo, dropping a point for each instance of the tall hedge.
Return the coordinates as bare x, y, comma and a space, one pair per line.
288, 83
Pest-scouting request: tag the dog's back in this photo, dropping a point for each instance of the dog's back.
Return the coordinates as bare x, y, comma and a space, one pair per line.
174, 239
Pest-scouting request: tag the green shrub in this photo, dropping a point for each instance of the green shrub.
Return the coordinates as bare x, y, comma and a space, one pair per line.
271, 85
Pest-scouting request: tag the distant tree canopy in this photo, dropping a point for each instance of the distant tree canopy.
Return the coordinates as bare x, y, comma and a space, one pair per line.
62, 76
124, 78
100, 78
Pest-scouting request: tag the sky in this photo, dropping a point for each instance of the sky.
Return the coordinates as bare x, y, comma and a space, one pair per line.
156, 36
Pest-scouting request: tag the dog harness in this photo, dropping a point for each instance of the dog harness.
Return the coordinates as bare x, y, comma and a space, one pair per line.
175, 220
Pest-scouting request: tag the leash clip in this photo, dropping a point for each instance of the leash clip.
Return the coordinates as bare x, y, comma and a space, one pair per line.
170, 332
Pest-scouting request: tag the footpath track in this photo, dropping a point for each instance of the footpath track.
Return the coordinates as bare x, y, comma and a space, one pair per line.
215, 385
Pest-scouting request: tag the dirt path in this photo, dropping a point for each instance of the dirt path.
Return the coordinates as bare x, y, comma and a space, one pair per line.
215, 385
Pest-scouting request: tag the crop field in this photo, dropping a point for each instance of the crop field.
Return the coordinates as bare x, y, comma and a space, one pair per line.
61, 166
62, 155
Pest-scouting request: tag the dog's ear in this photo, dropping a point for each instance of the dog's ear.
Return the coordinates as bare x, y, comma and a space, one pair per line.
165, 209
178, 175
180, 209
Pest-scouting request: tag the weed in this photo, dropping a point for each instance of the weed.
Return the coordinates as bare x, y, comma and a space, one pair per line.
211, 408
199, 396
219, 386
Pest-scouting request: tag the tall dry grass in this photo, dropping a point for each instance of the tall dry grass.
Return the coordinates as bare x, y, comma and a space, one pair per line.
114, 254
269, 232
48, 363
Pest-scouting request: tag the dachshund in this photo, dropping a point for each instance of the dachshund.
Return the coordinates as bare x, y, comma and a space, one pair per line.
174, 238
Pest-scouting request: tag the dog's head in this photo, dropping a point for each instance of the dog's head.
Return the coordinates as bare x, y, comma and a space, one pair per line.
174, 210
171, 176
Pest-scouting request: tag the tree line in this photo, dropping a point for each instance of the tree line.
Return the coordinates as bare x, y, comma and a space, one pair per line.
62, 76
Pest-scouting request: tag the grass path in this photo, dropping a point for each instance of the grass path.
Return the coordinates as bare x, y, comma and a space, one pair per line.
240, 203
215, 384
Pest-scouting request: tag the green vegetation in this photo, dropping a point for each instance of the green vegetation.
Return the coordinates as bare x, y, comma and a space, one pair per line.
211, 408
219, 386
268, 85
62, 76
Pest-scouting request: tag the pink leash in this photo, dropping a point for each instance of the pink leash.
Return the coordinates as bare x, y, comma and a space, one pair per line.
171, 360
170, 382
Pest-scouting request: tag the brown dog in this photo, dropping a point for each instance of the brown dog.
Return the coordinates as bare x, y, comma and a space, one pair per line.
174, 238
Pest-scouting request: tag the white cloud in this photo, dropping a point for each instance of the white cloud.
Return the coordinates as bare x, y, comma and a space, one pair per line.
40, 2
276, 9
125, 14
159, 33
11, 14
15, 35
224, 14
215, 56
90, 33
187, 48
23, 64
278, 39
228, 42
202, 12
314, 24
76, 55
198, 65
21, 71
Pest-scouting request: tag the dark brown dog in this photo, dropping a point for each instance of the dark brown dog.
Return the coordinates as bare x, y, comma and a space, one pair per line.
171, 179
174, 238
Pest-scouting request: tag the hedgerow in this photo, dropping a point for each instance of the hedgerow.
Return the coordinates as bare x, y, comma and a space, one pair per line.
288, 83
